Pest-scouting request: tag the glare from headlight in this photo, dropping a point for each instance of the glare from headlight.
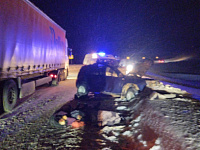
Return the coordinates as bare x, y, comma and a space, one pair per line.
129, 68
94, 56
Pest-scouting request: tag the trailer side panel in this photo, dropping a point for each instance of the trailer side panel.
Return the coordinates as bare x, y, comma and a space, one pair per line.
29, 40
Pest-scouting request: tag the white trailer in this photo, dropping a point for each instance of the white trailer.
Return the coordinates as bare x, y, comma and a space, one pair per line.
33, 51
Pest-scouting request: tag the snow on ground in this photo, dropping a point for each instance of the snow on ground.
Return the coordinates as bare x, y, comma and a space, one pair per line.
191, 86
43, 102
195, 93
165, 118
181, 113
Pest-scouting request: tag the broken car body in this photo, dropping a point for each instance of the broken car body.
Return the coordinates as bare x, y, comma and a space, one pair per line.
101, 77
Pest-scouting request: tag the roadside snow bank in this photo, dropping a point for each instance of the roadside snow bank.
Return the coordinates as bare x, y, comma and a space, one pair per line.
192, 86
173, 115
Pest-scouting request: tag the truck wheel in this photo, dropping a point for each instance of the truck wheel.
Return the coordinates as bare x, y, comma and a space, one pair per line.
130, 94
62, 75
10, 93
67, 74
82, 90
50, 83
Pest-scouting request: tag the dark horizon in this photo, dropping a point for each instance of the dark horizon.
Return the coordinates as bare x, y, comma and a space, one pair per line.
123, 28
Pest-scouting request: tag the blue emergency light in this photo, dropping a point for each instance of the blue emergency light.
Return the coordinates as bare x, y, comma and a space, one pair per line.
102, 54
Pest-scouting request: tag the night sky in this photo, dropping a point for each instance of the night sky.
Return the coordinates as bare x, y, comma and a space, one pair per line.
164, 28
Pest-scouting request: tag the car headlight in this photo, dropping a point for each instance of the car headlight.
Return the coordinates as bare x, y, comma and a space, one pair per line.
94, 56
129, 68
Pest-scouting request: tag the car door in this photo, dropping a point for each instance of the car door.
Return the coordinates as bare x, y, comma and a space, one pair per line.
97, 78
114, 80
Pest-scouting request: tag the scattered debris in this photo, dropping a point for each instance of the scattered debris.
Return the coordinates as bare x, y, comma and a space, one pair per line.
156, 95
108, 117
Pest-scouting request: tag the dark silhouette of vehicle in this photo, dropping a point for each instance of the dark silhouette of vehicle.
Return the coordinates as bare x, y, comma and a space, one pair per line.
101, 77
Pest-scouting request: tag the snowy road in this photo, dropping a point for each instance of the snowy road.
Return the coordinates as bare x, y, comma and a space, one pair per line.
162, 117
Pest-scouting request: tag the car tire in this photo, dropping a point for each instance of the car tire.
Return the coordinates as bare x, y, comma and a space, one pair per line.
10, 95
82, 90
130, 94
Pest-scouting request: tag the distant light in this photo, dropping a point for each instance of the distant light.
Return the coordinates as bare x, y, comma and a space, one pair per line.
94, 55
161, 61
157, 57
127, 57
129, 68
102, 54
143, 57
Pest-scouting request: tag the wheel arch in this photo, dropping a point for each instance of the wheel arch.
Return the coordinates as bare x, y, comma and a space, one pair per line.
126, 87
17, 81
84, 84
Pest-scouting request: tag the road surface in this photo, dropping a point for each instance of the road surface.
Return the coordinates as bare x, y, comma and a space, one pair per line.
162, 117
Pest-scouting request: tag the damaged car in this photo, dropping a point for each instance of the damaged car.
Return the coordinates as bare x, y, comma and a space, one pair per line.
104, 78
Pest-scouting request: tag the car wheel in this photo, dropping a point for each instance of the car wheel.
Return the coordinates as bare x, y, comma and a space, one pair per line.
82, 90
10, 93
130, 94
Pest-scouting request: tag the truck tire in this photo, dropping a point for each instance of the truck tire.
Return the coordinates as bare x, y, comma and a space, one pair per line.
63, 75
67, 74
10, 94
130, 94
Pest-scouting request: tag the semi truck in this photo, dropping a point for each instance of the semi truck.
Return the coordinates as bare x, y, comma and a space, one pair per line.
33, 51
